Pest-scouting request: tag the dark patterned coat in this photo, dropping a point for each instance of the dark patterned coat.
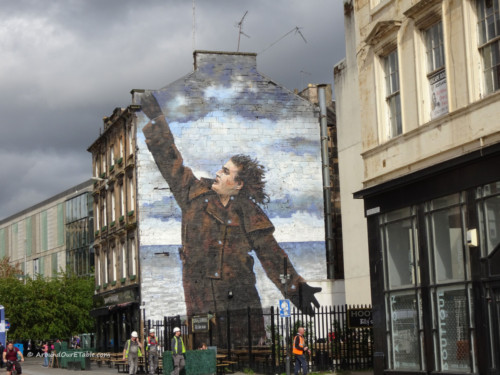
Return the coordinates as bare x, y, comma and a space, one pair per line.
217, 240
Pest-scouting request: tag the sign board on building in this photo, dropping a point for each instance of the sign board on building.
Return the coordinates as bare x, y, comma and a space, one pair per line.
284, 307
7, 325
439, 94
200, 323
359, 318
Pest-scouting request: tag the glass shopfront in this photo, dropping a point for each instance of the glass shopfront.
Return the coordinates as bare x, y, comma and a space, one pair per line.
441, 288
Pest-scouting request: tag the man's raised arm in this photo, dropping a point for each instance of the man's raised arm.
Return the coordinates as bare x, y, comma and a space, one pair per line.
160, 142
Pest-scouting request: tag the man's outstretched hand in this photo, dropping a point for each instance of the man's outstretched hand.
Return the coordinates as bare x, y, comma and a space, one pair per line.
305, 300
150, 105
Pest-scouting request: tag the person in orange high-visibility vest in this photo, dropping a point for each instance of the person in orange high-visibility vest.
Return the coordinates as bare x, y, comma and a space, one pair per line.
299, 348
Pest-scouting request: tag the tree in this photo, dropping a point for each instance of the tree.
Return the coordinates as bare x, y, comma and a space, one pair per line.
8, 270
46, 308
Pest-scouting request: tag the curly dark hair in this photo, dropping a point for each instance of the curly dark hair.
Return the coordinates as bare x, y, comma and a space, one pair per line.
252, 174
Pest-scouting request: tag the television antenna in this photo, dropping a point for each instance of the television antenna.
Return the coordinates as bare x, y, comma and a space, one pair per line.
239, 25
297, 31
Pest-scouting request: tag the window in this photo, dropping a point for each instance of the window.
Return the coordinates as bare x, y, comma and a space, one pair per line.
103, 158
436, 73
96, 166
113, 205
131, 193
103, 213
488, 203
106, 268
97, 214
98, 269
36, 267
122, 201
393, 97
489, 42
121, 147
452, 307
114, 264
112, 155
133, 260
124, 259
130, 138
398, 234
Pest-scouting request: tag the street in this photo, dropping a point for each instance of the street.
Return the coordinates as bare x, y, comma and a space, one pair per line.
33, 366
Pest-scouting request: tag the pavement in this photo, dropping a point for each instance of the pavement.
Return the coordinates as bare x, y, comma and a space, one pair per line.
33, 366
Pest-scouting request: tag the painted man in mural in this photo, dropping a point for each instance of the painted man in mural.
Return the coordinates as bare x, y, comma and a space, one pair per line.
221, 224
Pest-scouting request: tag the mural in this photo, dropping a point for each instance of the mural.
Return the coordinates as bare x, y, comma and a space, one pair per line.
229, 185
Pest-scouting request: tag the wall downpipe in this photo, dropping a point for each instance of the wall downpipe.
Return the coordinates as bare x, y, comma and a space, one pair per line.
327, 197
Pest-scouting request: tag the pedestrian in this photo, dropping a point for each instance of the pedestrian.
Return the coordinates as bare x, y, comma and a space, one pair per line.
203, 346
299, 349
2, 348
152, 350
45, 350
132, 351
178, 351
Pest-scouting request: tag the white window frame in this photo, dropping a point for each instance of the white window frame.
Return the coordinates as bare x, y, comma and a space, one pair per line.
130, 137
98, 269
392, 84
133, 256
111, 155
115, 263
106, 268
104, 166
113, 205
436, 73
124, 259
492, 84
122, 201
131, 193
97, 211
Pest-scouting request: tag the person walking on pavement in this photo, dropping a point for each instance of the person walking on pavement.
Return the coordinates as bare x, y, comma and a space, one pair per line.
152, 350
45, 354
299, 349
132, 351
178, 350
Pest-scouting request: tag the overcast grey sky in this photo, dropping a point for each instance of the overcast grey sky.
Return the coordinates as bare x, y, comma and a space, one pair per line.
67, 63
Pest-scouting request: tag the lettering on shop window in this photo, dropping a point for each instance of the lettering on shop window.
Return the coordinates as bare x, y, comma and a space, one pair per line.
443, 340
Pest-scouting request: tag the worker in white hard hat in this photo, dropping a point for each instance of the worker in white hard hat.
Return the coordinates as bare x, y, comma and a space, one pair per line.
152, 350
132, 351
178, 350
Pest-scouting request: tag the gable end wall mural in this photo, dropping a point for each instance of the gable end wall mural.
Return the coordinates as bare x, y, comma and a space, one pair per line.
205, 144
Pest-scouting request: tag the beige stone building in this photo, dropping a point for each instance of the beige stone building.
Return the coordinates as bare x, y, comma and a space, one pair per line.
424, 76
116, 252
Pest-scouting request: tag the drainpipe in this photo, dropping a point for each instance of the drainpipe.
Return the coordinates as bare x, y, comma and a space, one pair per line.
330, 243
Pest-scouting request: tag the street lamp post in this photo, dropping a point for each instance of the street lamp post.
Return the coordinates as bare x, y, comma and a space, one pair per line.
144, 335
284, 280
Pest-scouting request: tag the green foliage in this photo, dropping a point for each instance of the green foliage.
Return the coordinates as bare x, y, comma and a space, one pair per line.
46, 308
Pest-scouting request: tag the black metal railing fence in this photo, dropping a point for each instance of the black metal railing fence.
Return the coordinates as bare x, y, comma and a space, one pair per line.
257, 339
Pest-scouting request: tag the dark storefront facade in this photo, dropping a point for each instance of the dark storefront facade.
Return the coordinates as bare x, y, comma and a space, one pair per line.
435, 288
117, 314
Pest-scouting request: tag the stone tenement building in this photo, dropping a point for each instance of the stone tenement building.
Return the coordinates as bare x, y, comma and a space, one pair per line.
418, 115
178, 234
